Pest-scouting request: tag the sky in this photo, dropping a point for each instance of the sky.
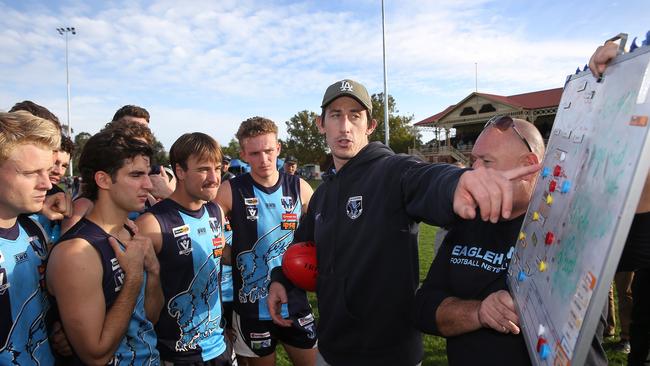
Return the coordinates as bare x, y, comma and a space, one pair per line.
208, 65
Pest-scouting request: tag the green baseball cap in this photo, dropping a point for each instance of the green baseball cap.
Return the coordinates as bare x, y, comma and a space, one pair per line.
350, 88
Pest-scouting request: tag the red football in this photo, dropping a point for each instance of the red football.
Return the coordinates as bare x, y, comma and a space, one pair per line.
300, 266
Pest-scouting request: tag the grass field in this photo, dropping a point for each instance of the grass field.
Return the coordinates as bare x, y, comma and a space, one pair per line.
434, 347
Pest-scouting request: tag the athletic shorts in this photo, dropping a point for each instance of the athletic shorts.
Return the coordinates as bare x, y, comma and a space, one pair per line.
258, 338
224, 359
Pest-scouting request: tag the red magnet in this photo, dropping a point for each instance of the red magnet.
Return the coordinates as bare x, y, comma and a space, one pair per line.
549, 238
540, 342
552, 185
557, 170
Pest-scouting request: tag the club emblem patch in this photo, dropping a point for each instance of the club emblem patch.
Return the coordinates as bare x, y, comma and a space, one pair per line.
287, 203
214, 225
354, 208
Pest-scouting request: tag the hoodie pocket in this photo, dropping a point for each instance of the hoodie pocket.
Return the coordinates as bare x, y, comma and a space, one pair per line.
338, 327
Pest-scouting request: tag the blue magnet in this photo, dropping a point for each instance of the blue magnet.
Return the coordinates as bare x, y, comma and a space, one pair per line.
544, 351
647, 39
546, 172
633, 46
521, 276
583, 69
578, 70
566, 186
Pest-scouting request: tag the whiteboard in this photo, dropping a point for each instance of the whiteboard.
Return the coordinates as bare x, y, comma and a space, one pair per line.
581, 210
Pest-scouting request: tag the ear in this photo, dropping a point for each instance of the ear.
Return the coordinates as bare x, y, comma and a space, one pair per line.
320, 125
279, 146
372, 127
180, 173
527, 160
103, 180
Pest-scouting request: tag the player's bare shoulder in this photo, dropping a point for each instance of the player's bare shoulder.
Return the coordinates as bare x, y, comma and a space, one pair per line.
224, 197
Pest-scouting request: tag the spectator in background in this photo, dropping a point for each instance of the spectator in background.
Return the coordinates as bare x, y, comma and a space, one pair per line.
225, 165
290, 165
132, 113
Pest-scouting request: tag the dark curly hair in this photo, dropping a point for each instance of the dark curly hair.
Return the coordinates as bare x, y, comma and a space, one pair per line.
108, 151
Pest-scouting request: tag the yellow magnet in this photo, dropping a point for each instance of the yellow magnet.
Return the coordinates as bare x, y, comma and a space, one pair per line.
542, 266
522, 235
535, 216
549, 199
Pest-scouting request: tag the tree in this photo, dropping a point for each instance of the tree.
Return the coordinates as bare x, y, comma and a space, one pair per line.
402, 134
79, 143
160, 156
304, 141
232, 149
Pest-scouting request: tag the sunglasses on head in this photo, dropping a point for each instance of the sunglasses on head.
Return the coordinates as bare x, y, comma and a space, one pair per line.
503, 123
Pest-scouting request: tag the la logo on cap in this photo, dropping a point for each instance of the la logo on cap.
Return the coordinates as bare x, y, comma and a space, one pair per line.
346, 86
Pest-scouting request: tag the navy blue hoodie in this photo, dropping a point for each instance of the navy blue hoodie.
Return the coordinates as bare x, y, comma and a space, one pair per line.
364, 221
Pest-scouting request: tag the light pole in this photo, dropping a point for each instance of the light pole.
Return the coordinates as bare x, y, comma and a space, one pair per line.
64, 32
383, 38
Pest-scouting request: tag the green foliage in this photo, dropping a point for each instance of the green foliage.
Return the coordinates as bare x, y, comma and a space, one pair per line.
232, 149
79, 143
160, 156
304, 141
402, 134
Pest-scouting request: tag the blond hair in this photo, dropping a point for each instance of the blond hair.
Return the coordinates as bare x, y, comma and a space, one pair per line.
23, 128
256, 126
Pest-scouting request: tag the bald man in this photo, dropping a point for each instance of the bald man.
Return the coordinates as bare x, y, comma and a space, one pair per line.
465, 297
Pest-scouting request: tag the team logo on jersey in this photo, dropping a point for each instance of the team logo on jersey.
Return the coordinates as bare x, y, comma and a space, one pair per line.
20, 257
4, 281
251, 212
287, 203
181, 230
354, 208
38, 247
214, 225
346, 86
201, 231
250, 201
184, 245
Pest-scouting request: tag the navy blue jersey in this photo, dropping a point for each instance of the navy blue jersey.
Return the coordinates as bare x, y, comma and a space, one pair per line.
138, 347
23, 301
226, 270
189, 329
263, 220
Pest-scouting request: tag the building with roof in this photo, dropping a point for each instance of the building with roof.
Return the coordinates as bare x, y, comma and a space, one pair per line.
468, 117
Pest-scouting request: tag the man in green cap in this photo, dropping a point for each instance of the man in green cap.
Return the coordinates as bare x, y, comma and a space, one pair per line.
364, 220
